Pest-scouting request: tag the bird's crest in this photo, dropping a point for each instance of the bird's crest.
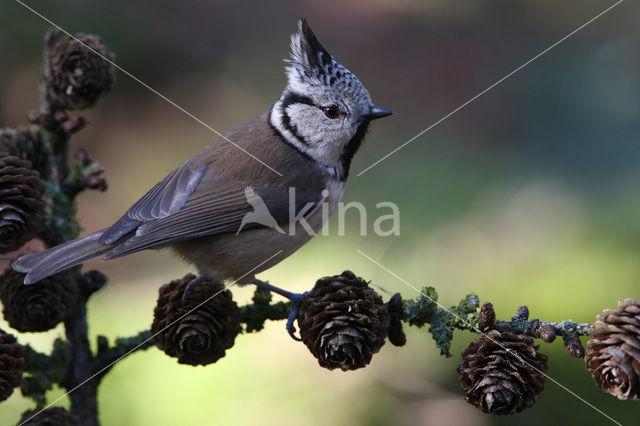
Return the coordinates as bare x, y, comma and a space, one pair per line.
311, 65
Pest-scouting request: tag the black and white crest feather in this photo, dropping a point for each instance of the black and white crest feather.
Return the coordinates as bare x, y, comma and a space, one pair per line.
310, 65
306, 51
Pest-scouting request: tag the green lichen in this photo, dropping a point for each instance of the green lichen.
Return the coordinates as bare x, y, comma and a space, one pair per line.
43, 371
60, 223
418, 312
465, 315
442, 331
254, 315
424, 310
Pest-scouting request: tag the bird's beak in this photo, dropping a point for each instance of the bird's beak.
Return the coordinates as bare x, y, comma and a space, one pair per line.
378, 112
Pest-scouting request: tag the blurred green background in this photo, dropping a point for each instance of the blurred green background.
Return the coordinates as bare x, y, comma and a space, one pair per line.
527, 196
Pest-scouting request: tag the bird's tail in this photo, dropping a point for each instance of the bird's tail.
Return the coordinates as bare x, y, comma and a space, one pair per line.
48, 262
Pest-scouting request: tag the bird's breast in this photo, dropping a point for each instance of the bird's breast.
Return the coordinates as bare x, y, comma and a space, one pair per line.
334, 192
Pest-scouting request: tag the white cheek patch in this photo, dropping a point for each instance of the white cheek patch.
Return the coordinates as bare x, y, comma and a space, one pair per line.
308, 123
324, 137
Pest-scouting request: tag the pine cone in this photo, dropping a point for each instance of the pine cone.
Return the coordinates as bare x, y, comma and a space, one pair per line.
343, 322
76, 76
502, 373
40, 306
202, 336
11, 364
395, 309
487, 317
24, 142
613, 355
54, 416
21, 205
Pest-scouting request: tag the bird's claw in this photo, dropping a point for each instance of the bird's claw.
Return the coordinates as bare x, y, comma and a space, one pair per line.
296, 300
197, 280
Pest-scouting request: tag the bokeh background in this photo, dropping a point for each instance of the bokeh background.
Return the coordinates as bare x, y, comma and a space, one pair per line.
527, 196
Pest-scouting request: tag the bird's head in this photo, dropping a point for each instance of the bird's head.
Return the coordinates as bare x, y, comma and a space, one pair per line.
324, 110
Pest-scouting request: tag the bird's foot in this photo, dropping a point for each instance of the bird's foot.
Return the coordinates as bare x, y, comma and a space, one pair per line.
294, 298
296, 301
194, 282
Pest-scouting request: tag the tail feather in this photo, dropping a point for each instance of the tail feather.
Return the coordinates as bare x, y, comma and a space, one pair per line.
48, 262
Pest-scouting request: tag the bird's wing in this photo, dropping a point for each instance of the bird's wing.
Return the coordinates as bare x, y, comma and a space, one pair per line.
216, 206
166, 198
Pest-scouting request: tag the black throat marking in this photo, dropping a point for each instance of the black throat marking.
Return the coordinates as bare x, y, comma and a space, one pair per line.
352, 147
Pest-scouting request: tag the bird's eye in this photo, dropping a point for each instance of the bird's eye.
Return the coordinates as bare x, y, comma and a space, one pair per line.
331, 111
